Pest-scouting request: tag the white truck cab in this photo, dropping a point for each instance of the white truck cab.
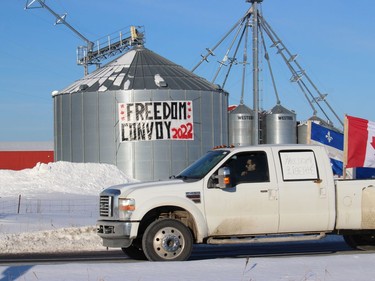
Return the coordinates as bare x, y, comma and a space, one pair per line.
237, 195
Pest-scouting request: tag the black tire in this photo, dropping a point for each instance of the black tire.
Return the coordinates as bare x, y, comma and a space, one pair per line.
360, 242
134, 252
167, 240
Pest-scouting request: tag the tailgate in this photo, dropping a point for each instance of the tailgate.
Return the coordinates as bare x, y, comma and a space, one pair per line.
355, 204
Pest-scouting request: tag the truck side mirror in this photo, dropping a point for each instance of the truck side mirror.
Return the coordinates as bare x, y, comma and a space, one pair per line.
223, 177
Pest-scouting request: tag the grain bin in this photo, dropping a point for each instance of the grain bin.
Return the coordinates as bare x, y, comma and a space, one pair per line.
303, 128
141, 112
241, 120
280, 126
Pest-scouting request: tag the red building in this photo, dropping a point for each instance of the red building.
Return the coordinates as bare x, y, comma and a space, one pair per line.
23, 155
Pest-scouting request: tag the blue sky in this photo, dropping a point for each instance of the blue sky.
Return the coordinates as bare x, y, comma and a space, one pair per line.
335, 41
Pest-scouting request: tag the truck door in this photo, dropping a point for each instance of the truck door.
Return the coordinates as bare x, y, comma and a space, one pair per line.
251, 205
303, 196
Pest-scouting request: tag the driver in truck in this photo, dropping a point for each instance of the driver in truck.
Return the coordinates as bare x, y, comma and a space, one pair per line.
255, 168
250, 168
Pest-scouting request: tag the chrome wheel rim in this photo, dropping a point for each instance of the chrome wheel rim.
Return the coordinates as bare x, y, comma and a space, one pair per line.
168, 243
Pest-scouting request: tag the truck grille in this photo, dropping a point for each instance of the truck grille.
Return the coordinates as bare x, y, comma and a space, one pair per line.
106, 206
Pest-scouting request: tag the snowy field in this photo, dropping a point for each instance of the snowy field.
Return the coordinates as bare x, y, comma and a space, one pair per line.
54, 208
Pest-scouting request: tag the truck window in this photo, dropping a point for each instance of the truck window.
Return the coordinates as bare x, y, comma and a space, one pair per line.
298, 165
249, 167
202, 166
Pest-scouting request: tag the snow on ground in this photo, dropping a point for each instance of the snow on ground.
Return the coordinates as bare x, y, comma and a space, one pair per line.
54, 207
62, 177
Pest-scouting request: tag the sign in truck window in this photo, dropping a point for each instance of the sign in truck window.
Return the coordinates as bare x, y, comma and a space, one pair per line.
298, 165
156, 120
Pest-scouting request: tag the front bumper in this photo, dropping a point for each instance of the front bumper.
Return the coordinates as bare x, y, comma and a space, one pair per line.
116, 234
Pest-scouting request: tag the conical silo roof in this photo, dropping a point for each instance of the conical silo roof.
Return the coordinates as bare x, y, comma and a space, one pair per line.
140, 69
279, 109
242, 109
319, 121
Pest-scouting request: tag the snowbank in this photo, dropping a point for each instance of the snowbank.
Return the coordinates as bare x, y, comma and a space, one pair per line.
65, 177
58, 208
75, 239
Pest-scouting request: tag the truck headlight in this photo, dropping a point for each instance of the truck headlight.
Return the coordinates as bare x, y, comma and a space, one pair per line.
126, 206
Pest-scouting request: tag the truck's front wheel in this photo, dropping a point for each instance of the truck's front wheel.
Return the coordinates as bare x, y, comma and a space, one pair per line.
167, 240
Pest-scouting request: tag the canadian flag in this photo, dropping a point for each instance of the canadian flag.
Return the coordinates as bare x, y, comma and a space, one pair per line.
360, 142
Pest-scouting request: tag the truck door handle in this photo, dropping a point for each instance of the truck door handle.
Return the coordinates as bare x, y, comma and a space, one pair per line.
272, 193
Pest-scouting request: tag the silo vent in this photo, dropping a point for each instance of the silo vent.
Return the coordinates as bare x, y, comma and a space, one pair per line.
159, 81
83, 87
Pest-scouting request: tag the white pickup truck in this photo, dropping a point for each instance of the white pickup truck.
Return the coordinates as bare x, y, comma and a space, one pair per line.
269, 193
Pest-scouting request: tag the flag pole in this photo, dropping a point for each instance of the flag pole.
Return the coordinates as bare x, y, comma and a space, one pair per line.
345, 146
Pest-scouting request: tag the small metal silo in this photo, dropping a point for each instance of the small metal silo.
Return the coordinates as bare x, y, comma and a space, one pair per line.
241, 120
280, 126
303, 128
302, 132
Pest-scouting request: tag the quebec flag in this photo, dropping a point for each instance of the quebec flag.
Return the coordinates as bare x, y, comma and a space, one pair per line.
334, 143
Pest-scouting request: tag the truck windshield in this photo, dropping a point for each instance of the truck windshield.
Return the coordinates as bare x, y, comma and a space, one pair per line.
202, 166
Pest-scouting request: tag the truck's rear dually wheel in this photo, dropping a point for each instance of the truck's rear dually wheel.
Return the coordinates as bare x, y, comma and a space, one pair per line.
167, 240
361, 241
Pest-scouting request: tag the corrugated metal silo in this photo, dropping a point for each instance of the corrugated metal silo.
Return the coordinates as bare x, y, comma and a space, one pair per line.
280, 126
141, 112
303, 128
241, 125
302, 133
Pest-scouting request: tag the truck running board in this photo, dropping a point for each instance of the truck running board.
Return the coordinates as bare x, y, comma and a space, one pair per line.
266, 239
